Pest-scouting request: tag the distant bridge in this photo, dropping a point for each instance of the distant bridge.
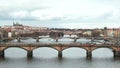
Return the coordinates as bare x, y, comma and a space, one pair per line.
57, 39
29, 47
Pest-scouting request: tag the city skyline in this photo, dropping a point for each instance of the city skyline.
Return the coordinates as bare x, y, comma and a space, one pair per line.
31, 25
61, 13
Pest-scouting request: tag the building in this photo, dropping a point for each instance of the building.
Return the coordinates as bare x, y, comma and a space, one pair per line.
116, 32
17, 24
3, 34
110, 32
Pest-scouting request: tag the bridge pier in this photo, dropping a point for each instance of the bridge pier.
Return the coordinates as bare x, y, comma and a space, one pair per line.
2, 53
70, 35
89, 54
116, 54
75, 39
29, 54
18, 39
59, 54
92, 39
56, 40
37, 39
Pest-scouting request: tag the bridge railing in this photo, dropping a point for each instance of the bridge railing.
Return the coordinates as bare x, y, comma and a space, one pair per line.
56, 44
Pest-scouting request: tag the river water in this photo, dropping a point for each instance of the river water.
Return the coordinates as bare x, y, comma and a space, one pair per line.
47, 57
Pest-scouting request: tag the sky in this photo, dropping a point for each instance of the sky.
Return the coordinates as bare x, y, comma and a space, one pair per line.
61, 13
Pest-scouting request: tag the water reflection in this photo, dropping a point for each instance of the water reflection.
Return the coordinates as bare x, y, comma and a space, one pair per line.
47, 58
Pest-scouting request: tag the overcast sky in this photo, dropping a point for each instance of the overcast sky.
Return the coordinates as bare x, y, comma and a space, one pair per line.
61, 13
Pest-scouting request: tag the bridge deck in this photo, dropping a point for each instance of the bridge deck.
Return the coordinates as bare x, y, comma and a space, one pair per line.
57, 44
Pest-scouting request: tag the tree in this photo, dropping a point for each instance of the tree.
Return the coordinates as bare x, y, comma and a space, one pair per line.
56, 34
96, 33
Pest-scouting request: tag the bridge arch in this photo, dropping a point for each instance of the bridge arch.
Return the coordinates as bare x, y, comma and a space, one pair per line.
74, 52
103, 47
103, 52
83, 40
47, 38
14, 52
74, 47
70, 39
46, 47
14, 47
46, 52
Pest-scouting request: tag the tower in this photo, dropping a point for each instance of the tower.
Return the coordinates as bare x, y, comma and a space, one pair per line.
105, 32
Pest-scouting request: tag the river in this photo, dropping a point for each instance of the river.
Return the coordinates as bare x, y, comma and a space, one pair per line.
47, 57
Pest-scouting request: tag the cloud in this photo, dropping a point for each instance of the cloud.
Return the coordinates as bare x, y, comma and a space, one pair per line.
67, 11
19, 14
115, 14
46, 14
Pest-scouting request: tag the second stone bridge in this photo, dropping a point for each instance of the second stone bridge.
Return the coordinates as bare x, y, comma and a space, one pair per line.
29, 47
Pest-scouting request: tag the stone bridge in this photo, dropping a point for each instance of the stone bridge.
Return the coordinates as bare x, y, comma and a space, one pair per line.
29, 47
57, 39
